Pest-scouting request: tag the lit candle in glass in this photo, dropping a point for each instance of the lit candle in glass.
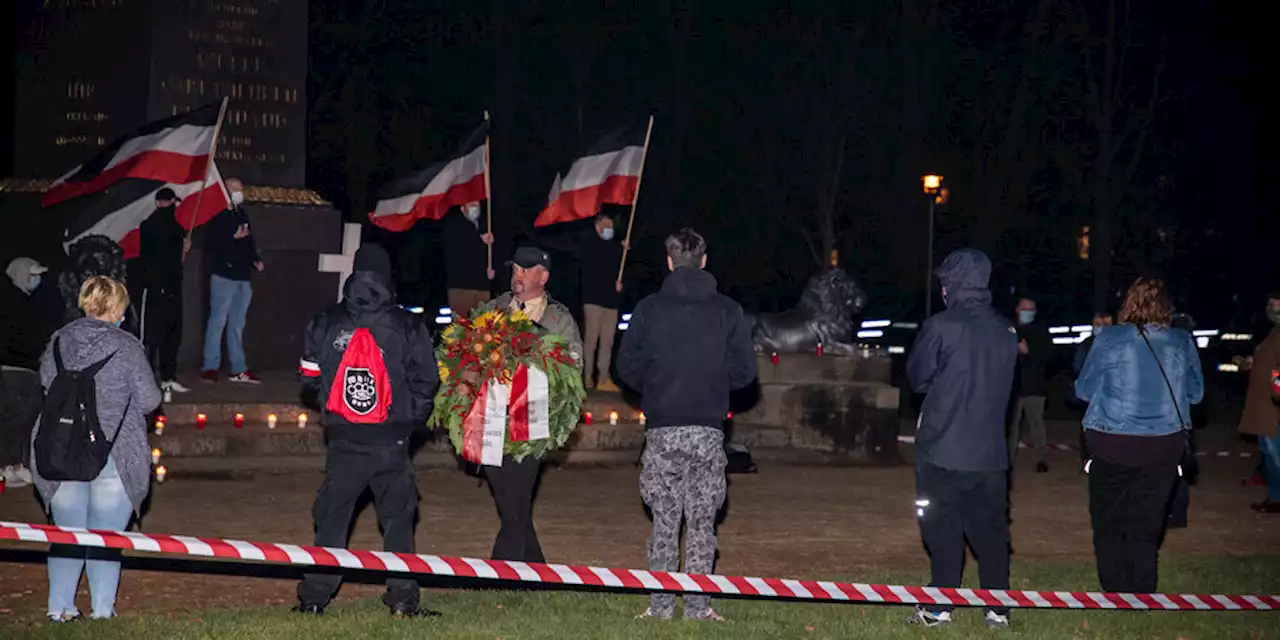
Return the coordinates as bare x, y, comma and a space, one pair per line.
773, 357
200, 420
302, 420
643, 420
155, 456
161, 472
819, 349
613, 417
239, 420
586, 418
271, 421
160, 426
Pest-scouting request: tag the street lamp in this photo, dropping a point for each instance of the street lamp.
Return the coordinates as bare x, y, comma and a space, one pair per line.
937, 195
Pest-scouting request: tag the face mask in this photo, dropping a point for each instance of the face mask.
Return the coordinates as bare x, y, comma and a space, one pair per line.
1026, 316
33, 283
607, 233
237, 198
1273, 315
473, 213
118, 322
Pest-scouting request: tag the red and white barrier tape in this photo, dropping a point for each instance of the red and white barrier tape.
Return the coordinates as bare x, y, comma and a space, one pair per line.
1067, 447
626, 578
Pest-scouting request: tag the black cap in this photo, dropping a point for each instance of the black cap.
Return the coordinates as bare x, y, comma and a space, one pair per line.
530, 257
372, 257
166, 194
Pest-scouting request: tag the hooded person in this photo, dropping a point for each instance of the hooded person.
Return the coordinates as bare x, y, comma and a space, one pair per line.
371, 367
23, 334
964, 360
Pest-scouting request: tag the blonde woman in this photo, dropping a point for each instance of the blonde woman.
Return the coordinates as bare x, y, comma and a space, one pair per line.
126, 392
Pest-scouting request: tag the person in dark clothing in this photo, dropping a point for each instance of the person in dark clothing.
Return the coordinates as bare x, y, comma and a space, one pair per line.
372, 455
468, 276
234, 254
1035, 349
23, 335
687, 347
164, 245
964, 360
1101, 320
1140, 381
601, 292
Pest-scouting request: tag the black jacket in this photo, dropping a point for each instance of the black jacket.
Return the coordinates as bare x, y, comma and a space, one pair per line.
23, 330
232, 258
407, 352
160, 250
964, 359
1033, 368
466, 257
600, 261
686, 348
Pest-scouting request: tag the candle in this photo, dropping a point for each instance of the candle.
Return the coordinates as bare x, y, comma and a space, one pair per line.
729, 417
773, 357
161, 472
239, 420
200, 420
586, 418
155, 456
613, 417
302, 420
819, 349
160, 426
643, 420
271, 421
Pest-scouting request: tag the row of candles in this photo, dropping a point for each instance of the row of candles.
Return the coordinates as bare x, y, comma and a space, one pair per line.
588, 417
773, 357
202, 420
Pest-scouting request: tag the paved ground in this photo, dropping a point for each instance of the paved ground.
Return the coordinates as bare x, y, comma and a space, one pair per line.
784, 521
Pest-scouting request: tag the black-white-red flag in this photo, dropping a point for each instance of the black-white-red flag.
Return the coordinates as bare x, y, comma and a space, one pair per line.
607, 172
429, 193
114, 192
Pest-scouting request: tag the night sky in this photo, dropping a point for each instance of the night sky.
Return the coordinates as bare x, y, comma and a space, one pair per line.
756, 108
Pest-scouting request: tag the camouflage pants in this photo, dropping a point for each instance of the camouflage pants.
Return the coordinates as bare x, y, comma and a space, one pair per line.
683, 477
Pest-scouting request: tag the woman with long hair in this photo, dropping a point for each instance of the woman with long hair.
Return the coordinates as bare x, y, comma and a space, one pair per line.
1140, 379
126, 392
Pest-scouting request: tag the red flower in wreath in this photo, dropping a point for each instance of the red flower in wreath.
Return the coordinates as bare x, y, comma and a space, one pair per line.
523, 343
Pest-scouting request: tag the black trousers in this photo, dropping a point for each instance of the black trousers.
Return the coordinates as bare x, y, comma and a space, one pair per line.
162, 329
513, 485
1128, 508
20, 398
955, 506
349, 469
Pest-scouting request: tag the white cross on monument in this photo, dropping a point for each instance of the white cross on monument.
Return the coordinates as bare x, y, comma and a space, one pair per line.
344, 263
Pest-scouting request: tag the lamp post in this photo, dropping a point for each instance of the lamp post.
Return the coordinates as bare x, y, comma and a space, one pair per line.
937, 195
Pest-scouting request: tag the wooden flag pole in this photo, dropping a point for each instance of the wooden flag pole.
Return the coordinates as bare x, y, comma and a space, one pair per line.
213, 150
488, 196
626, 243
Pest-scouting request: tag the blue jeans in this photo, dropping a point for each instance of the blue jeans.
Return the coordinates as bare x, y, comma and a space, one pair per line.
1270, 448
99, 504
228, 306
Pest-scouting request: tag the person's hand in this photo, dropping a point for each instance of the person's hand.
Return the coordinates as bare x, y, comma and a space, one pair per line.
489, 272
626, 245
242, 232
1022, 347
259, 266
487, 238
1248, 363
617, 286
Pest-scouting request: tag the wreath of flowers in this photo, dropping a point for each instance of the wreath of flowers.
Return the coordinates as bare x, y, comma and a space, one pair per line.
490, 345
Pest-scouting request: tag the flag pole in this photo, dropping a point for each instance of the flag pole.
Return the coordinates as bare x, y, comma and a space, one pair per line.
626, 244
204, 183
488, 197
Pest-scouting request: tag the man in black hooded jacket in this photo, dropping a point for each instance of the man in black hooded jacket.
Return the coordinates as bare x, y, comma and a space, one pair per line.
964, 360
372, 455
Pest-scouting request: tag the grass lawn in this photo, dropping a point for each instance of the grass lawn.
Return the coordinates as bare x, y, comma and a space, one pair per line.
560, 614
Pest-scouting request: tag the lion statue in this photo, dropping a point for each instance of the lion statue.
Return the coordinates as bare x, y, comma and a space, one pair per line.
92, 255
826, 314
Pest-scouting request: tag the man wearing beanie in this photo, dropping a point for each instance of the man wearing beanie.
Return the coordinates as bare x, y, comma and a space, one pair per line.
964, 360
371, 367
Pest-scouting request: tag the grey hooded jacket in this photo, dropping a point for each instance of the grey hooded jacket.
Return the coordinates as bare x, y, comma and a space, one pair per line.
125, 380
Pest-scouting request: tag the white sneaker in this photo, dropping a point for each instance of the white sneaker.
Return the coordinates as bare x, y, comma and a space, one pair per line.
24, 474
13, 478
996, 621
173, 386
927, 618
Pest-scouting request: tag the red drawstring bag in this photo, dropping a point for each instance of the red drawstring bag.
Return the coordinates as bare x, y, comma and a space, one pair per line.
361, 390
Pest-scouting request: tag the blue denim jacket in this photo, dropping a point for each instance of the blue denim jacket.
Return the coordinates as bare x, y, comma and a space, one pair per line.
1123, 386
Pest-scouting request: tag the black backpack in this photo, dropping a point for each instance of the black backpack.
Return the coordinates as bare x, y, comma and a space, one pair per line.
71, 445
